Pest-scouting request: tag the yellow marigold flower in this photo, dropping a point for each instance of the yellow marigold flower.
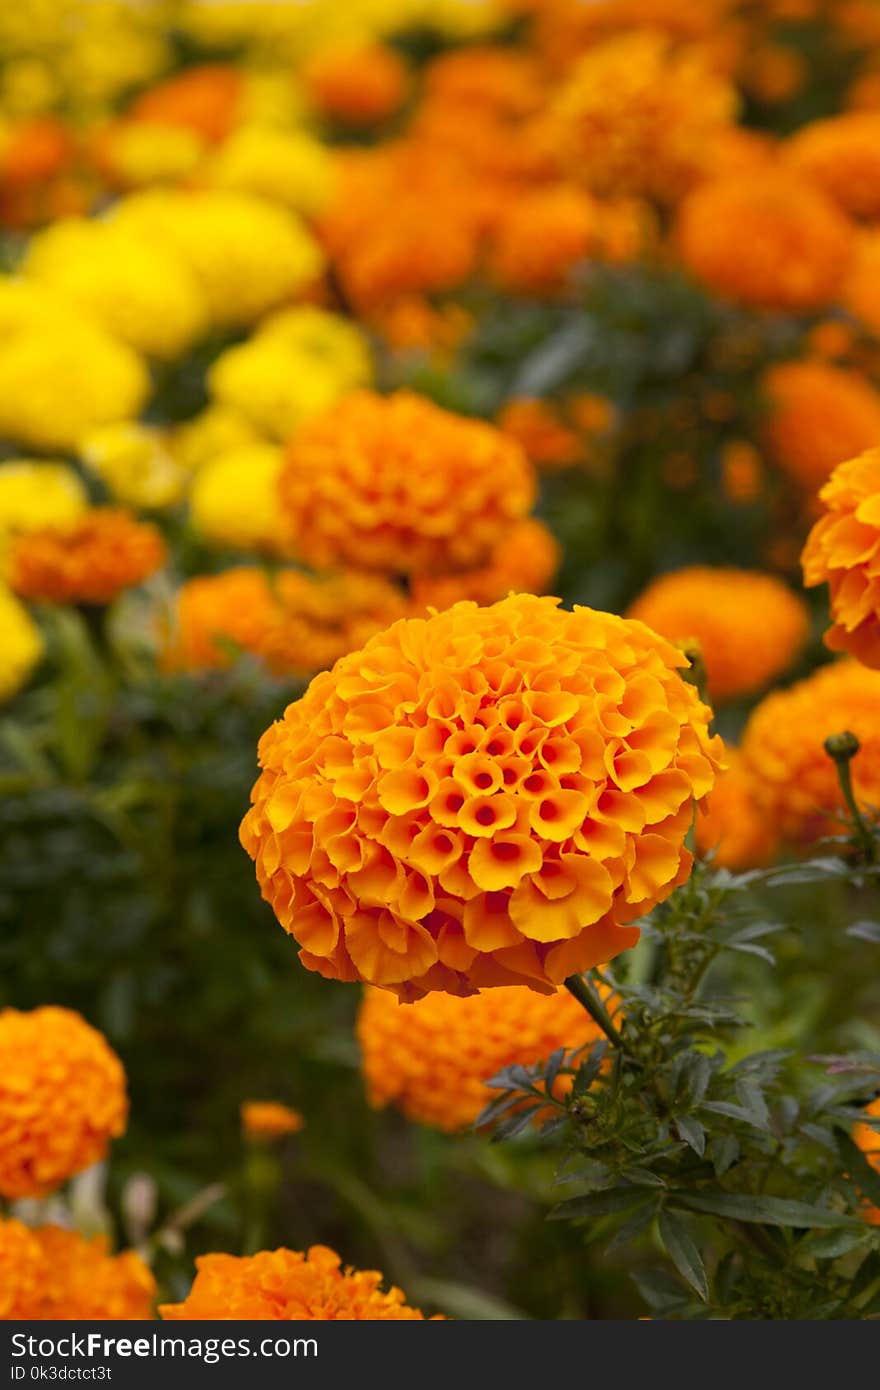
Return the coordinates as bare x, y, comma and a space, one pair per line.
730, 823
62, 1099
233, 500
819, 415
791, 249
868, 1140
524, 561
638, 115
842, 155
215, 430
89, 561
356, 83
298, 364
35, 494
138, 154
20, 643
136, 465
719, 608
288, 1286
399, 485
50, 1274
432, 1058
795, 782
139, 291
247, 255
294, 623
540, 236
285, 166
843, 551
269, 1119
488, 796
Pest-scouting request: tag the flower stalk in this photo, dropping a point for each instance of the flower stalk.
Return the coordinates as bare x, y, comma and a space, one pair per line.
580, 987
842, 748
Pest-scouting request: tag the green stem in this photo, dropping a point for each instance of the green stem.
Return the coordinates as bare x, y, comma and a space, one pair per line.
842, 748
587, 997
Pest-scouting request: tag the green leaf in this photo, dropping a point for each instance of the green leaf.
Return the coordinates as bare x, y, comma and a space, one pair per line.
832, 1244
765, 1211
597, 1204
692, 1132
683, 1252
865, 1176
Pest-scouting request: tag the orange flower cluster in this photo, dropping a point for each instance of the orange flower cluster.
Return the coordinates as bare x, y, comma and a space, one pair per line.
795, 782
488, 796
269, 1119
819, 415
50, 1274
843, 551
62, 1099
842, 156
555, 436
717, 608
868, 1140
91, 561
432, 1059
204, 98
296, 624
541, 236
639, 115
524, 562
356, 84
767, 239
731, 825
861, 292
288, 1286
396, 484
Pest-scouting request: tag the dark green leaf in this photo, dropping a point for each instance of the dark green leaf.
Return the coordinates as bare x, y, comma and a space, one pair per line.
683, 1252
865, 1176
767, 1211
692, 1132
597, 1204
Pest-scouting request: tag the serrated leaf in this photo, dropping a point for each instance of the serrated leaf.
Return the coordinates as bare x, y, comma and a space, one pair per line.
832, 1244
597, 1204
554, 1063
683, 1252
736, 1112
590, 1069
692, 1132
643, 1217
765, 1211
659, 1290
724, 1151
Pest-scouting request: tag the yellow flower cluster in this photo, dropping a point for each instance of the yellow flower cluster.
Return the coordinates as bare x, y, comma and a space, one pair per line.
843, 551
288, 1286
233, 500
717, 608
399, 485
20, 643
49, 1274
299, 363
432, 1058
62, 1099
289, 167
136, 464
486, 797
34, 495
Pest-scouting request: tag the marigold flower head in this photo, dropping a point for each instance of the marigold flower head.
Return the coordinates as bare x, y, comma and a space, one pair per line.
137, 154
842, 156
247, 255
541, 236
730, 824
49, 1274
217, 429
294, 623
138, 291
637, 115
791, 249
288, 1286
20, 642
539, 429
89, 561
34, 494
868, 1140
432, 1058
399, 485
861, 292
285, 166
136, 465
504, 79
233, 501
524, 561
269, 1119
488, 796
203, 99
819, 416
356, 83
298, 364
843, 551
62, 1099
742, 472
795, 782
717, 608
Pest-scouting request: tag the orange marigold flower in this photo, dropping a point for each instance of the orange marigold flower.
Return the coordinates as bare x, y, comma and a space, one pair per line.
843, 551
638, 115
868, 1140
742, 474
842, 156
861, 292
62, 1099
399, 485
502, 79
269, 1119
295, 623
487, 796
717, 608
766, 238
89, 562
540, 237
795, 782
432, 1059
356, 84
203, 98
288, 1286
50, 1274
539, 429
819, 416
525, 561
730, 824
